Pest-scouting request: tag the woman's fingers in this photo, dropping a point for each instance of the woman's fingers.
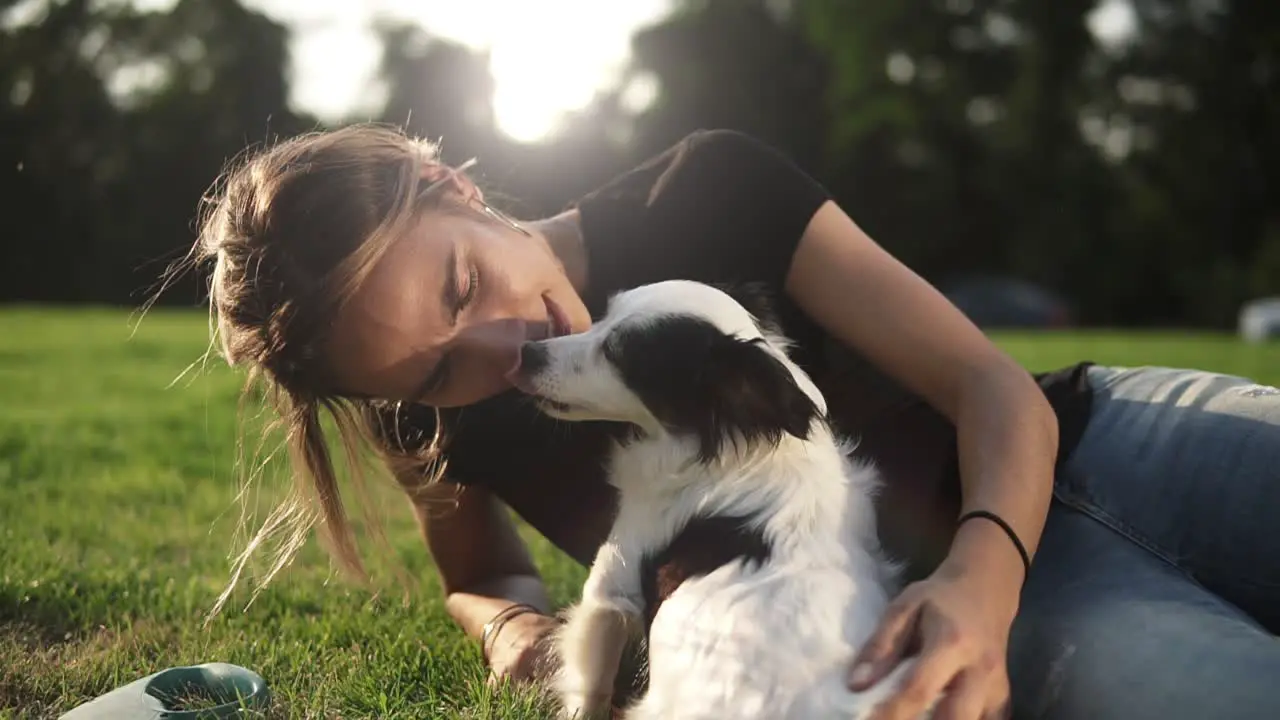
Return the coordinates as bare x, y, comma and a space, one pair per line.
942, 658
885, 648
964, 699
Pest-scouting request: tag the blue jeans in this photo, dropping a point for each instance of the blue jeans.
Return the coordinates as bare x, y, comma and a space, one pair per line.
1156, 589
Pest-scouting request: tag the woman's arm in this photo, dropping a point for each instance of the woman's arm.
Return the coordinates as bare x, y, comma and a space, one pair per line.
485, 568
483, 564
1006, 431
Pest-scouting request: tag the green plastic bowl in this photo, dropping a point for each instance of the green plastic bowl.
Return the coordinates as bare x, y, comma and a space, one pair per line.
199, 692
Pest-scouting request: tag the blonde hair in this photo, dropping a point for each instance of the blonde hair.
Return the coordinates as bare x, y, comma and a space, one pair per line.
292, 231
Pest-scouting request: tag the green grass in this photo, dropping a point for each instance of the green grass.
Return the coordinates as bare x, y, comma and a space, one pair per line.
118, 515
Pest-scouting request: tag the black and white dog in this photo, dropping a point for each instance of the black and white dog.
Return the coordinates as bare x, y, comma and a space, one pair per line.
740, 514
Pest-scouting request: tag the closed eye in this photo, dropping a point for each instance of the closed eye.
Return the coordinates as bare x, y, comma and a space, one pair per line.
467, 294
460, 289
458, 297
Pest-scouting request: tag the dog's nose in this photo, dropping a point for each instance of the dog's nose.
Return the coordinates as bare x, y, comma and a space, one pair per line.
533, 358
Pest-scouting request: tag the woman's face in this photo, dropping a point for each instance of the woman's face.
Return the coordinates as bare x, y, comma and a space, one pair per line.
441, 317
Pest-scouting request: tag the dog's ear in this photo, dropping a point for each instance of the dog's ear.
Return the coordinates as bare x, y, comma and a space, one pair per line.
697, 381
750, 395
759, 300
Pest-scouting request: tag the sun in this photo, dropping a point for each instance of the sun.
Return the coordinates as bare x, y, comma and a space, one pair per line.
547, 58
535, 83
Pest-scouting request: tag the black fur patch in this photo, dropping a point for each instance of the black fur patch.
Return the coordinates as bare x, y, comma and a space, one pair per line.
704, 545
760, 300
700, 382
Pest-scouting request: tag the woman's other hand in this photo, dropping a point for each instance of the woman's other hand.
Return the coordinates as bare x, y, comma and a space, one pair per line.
521, 650
961, 633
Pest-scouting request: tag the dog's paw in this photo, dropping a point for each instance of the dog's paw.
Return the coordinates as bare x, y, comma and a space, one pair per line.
577, 697
579, 706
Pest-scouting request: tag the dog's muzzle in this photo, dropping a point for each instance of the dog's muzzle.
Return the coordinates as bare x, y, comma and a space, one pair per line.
533, 361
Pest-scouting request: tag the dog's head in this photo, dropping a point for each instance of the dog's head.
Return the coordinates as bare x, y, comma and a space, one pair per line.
678, 357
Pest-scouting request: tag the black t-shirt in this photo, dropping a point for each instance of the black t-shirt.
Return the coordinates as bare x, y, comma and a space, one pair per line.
722, 208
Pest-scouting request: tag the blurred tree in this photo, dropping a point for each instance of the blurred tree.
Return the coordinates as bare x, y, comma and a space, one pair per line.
1054, 190
221, 87
740, 64
116, 122
1138, 176
54, 115
437, 89
918, 91
1191, 115
1000, 135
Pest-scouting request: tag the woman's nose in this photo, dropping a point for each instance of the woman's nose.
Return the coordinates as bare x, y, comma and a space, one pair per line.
495, 344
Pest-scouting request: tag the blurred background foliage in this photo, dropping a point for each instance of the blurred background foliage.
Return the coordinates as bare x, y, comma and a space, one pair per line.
1133, 174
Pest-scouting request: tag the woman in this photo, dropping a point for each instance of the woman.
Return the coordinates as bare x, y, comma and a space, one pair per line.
357, 273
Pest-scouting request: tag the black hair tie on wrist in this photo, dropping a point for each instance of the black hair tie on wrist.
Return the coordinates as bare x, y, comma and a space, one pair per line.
1013, 536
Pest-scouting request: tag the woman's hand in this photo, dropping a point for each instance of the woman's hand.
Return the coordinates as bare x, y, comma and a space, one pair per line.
521, 650
958, 623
